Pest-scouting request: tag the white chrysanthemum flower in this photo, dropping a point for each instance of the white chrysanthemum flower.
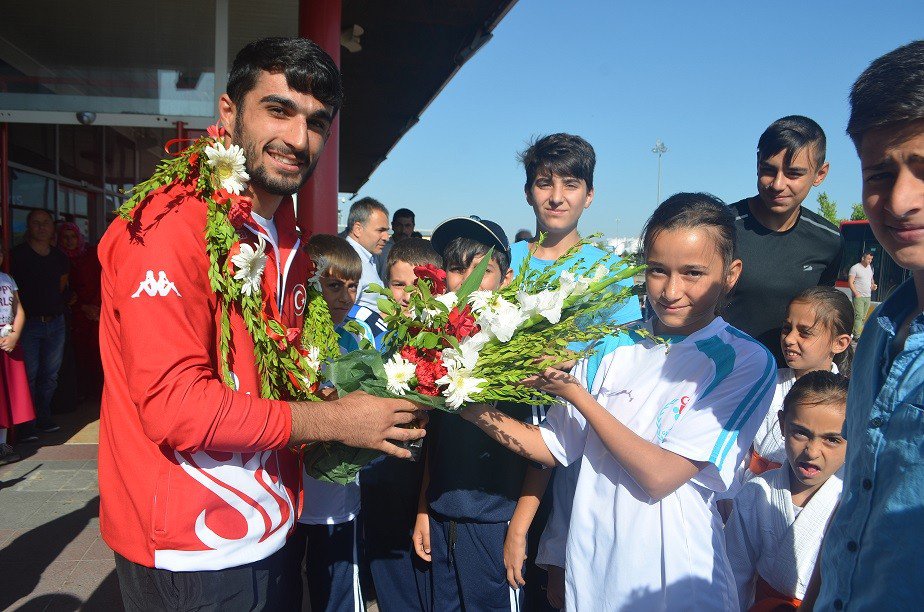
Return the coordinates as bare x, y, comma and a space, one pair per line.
480, 300
502, 319
250, 264
228, 165
461, 385
448, 299
399, 372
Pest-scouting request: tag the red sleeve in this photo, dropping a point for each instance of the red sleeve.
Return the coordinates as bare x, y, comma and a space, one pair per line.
167, 340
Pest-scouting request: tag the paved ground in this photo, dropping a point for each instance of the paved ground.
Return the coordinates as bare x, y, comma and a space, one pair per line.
51, 554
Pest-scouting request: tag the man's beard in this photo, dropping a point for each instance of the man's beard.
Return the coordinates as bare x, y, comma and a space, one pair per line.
259, 177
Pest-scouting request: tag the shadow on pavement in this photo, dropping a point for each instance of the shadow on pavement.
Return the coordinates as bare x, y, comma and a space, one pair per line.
33, 553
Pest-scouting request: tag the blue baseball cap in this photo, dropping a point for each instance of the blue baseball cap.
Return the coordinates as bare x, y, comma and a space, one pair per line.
473, 227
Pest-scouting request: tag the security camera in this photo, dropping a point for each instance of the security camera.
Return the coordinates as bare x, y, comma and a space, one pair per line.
86, 117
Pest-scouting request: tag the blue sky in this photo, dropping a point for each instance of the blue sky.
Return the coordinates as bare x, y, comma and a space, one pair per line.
705, 77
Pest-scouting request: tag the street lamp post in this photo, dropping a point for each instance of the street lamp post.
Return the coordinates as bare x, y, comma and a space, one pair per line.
659, 149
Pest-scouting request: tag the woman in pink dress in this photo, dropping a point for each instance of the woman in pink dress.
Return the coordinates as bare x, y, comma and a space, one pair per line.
15, 399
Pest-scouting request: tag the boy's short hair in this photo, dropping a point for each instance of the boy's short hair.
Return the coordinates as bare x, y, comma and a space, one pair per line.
334, 256
816, 388
362, 209
461, 239
890, 90
415, 251
561, 154
460, 252
792, 134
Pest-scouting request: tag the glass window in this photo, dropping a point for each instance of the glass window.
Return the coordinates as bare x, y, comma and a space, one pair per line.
30, 190
155, 58
81, 153
33, 145
120, 161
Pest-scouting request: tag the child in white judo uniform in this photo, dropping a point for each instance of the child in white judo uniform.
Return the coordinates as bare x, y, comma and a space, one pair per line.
814, 336
659, 429
779, 519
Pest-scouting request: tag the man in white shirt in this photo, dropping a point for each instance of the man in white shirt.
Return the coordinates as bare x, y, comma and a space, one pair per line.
367, 233
862, 285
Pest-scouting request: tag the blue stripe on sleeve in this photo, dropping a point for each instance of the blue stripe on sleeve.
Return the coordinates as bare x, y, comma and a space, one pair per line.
747, 406
722, 356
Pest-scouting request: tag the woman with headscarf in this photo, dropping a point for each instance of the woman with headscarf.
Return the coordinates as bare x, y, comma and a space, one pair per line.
84, 284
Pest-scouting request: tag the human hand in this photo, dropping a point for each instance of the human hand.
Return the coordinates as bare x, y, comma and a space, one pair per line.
421, 537
359, 420
553, 381
366, 421
873, 286
515, 557
555, 591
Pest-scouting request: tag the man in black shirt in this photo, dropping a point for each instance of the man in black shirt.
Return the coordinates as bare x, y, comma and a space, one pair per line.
784, 246
41, 272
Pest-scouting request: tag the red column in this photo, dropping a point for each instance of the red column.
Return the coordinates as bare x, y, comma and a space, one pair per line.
5, 215
319, 20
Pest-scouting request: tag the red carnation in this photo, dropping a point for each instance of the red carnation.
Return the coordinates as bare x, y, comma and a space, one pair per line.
240, 211
436, 276
428, 372
292, 334
410, 353
461, 323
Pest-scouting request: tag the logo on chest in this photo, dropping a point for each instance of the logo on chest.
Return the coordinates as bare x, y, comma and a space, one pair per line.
669, 415
299, 299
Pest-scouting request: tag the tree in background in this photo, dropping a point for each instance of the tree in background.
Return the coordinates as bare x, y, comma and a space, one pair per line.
828, 208
857, 213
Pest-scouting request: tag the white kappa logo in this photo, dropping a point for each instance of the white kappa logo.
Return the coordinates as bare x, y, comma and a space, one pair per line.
299, 297
162, 286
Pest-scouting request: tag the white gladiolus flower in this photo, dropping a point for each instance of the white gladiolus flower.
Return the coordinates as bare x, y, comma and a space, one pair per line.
461, 385
448, 299
546, 303
567, 282
502, 319
466, 357
477, 341
250, 264
599, 273
399, 372
480, 300
228, 165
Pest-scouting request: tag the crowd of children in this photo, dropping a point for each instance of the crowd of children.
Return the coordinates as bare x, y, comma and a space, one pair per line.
657, 426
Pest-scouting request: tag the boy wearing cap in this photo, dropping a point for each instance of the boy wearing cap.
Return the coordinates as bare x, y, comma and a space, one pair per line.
471, 484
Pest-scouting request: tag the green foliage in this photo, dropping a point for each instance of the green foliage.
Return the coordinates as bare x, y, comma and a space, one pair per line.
828, 208
857, 213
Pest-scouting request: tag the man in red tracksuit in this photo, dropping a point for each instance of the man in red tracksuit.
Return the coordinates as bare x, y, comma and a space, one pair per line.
198, 487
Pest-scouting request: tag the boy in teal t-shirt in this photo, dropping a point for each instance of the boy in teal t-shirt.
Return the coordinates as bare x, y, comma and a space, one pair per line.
559, 187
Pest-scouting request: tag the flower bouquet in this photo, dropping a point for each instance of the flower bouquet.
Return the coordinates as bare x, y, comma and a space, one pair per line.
451, 348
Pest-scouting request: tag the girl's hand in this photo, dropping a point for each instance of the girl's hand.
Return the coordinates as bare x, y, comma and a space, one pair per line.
515, 557
8, 343
556, 587
421, 537
555, 382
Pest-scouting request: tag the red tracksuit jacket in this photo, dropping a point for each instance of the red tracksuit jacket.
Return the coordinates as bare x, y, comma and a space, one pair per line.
193, 475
